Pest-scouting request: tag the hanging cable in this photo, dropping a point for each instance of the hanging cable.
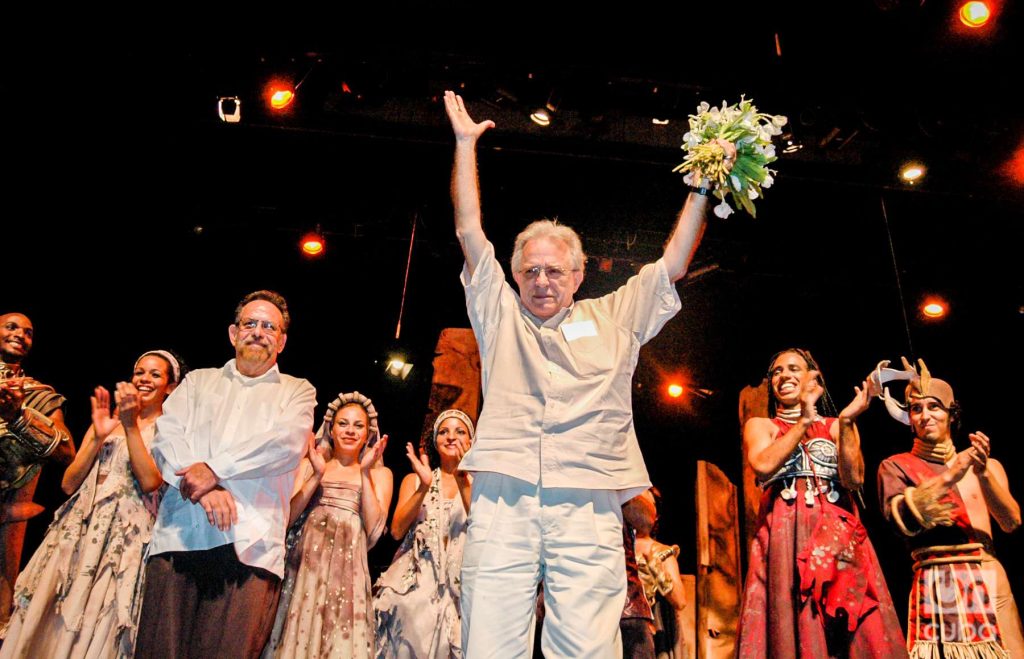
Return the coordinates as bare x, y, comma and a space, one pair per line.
405, 282
899, 283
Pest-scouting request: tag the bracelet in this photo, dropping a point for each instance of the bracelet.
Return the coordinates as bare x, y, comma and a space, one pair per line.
908, 499
894, 509
702, 191
27, 434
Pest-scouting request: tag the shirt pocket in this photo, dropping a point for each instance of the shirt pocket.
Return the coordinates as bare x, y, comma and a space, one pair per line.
601, 354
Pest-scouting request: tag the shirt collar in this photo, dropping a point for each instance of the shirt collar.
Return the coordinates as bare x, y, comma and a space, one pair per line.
273, 374
554, 321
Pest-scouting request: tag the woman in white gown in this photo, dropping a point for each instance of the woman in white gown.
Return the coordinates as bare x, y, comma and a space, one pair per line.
81, 594
417, 603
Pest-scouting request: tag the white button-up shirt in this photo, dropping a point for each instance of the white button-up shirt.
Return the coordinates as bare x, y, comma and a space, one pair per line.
251, 432
558, 405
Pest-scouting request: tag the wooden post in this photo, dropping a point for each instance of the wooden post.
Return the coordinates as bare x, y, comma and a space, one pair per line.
753, 402
686, 646
719, 585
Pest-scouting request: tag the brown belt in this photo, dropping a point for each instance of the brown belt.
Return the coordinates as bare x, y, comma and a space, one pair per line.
924, 557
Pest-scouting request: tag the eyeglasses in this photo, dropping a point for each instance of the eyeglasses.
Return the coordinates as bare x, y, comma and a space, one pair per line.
250, 324
552, 272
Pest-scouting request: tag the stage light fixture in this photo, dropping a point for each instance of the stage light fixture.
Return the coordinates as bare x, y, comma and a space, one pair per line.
281, 98
279, 94
229, 109
912, 173
541, 117
313, 243
397, 367
790, 143
934, 308
545, 114
974, 14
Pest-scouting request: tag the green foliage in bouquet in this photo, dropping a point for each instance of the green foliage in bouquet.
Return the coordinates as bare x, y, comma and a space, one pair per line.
751, 132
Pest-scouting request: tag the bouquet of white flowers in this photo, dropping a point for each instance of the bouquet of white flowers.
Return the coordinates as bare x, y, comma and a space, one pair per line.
751, 132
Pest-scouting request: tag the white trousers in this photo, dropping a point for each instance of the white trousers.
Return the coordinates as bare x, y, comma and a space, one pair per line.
520, 534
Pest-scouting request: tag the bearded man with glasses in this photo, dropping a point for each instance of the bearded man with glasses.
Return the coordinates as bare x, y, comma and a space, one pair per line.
228, 444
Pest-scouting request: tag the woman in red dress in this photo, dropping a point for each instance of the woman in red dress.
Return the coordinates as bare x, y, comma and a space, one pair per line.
814, 587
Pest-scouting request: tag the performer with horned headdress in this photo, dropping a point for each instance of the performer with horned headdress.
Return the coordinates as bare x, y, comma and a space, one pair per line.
941, 501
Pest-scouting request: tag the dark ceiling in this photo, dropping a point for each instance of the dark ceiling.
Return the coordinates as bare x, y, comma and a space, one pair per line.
866, 89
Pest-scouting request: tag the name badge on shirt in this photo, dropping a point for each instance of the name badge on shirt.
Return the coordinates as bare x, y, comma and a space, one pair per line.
573, 331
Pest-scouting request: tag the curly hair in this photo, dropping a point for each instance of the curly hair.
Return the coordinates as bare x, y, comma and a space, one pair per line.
343, 400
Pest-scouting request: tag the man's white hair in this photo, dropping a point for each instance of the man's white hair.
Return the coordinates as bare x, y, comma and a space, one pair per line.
550, 229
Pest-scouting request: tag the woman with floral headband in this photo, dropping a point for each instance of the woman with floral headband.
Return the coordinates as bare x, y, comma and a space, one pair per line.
81, 594
417, 603
338, 511
814, 587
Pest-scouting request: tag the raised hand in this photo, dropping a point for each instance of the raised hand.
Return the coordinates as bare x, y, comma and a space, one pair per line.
810, 391
11, 398
729, 152
371, 456
958, 468
420, 465
462, 447
103, 423
982, 446
316, 458
128, 404
862, 396
698, 178
463, 126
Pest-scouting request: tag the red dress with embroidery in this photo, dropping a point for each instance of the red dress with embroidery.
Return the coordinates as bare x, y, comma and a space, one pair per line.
805, 597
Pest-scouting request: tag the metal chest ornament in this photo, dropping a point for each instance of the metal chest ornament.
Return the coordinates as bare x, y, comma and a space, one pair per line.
816, 460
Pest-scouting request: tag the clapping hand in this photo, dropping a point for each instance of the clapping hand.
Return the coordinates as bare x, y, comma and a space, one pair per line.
373, 454
128, 408
982, 446
810, 391
316, 458
420, 465
12, 396
103, 422
462, 448
862, 396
